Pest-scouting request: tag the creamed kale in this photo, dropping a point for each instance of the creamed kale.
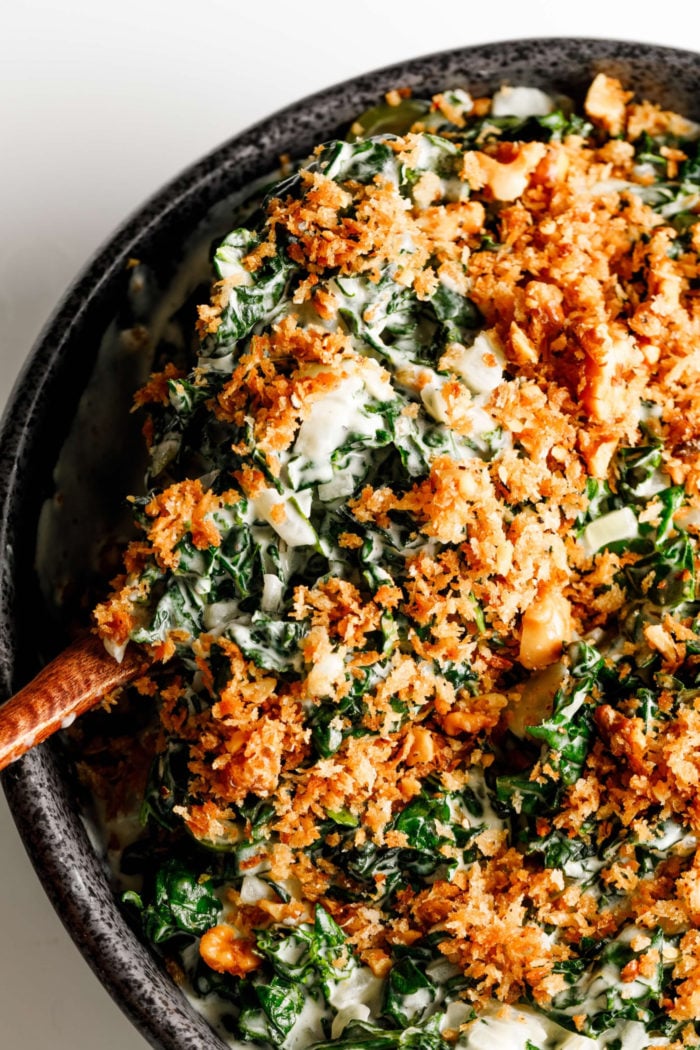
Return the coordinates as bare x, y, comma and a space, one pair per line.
417, 569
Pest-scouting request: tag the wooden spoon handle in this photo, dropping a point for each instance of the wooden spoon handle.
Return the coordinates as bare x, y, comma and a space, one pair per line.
76, 680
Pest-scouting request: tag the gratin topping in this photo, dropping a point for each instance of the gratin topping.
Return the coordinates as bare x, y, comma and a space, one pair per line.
419, 562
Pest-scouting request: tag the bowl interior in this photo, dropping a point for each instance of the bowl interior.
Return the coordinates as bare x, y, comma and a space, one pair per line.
41, 788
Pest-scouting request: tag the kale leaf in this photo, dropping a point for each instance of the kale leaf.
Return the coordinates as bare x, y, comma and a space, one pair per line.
182, 905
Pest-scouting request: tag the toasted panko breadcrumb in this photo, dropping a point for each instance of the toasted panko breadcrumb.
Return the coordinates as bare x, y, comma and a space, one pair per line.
589, 319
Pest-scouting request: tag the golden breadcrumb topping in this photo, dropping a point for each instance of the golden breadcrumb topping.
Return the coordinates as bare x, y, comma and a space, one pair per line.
588, 306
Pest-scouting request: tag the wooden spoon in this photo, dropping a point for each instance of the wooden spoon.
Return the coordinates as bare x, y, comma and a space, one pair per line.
76, 680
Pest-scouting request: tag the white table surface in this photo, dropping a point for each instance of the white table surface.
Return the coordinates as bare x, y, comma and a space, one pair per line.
100, 104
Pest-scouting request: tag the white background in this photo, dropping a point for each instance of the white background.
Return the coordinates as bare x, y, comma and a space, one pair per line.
100, 104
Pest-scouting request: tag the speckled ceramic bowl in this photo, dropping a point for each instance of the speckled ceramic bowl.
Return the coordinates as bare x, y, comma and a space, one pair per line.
40, 790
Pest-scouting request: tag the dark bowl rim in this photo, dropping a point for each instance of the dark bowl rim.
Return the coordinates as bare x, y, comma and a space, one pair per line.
34, 786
